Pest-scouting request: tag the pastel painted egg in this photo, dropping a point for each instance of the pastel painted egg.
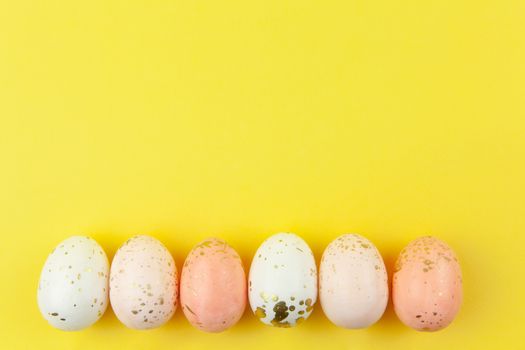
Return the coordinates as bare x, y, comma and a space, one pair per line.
213, 286
73, 288
283, 281
427, 288
353, 283
143, 283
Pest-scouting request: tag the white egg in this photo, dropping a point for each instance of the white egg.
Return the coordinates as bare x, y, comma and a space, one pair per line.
353, 286
283, 281
73, 288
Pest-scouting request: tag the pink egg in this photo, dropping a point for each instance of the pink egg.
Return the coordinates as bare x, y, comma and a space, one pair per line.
427, 285
213, 286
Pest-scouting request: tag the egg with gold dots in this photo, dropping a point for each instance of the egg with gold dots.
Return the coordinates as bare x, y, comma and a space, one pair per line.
73, 287
282, 286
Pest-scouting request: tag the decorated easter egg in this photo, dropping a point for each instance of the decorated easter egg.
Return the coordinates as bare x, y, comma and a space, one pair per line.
427, 285
353, 283
213, 286
143, 283
283, 281
73, 288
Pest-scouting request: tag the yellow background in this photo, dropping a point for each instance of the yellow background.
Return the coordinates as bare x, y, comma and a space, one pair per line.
239, 119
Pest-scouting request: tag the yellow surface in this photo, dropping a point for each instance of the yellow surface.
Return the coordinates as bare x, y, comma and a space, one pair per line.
239, 119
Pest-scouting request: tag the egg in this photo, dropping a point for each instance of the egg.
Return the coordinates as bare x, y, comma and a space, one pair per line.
143, 283
427, 285
213, 286
353, 283
283, 281
73, 289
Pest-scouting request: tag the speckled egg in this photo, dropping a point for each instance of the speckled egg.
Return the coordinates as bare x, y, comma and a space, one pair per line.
73, 288
283, 281
213, 286
353, 283
427, 287
143, 283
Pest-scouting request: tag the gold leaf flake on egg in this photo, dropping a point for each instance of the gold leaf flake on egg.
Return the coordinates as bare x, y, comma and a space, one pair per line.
281, 324
260, 313
281, 312
265, 297
188, 308
309, 305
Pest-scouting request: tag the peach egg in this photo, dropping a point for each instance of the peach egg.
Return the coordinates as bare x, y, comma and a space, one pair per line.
213, 286
427, 285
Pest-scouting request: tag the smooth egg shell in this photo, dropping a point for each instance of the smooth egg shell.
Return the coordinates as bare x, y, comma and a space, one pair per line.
213, 286
353, 283
283, 281
427, 285
143, 283
73, 288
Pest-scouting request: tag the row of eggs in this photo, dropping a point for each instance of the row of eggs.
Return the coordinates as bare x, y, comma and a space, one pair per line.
77, 283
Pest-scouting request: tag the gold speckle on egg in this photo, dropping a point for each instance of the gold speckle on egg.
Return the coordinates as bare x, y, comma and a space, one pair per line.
281, 312
265, 297
188, 308
260, 313
281, 324
309, 305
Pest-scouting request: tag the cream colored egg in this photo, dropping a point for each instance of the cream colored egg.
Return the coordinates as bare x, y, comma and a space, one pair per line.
353, 286
283, 281
73, 288
143, 283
